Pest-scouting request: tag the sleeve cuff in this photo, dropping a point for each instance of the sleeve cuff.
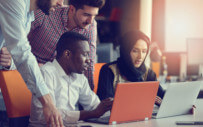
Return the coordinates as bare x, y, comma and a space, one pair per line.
12, 67
70, 116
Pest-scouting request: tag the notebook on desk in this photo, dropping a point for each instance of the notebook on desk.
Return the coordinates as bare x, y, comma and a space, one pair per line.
178, 99
132, 102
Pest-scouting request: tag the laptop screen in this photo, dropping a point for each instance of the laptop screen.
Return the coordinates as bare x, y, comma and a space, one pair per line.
133, 101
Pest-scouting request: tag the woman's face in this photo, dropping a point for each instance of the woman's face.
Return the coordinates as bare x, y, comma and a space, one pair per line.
138, 53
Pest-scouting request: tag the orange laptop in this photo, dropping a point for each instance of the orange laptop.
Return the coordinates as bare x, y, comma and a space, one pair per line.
133, 101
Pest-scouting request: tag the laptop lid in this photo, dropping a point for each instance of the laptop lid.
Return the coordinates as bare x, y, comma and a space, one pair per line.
133, 101
179, 98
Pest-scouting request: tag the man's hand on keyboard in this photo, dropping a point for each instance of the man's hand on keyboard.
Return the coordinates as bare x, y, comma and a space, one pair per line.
104, 106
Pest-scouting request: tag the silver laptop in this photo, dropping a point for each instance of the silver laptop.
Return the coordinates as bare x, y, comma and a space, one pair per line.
178, 99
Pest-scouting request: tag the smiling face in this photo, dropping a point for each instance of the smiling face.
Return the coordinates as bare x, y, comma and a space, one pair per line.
138, 53
84, 16
80, 58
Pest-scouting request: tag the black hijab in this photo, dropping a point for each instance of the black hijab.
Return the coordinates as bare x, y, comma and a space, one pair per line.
125, 63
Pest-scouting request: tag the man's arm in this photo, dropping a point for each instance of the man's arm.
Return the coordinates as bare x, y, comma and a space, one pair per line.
74, 116
92, 55
39, 19
103, 107
13, 25
93, 108
67, 116
13, 28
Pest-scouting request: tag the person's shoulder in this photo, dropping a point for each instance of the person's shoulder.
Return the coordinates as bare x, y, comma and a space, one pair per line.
63, 8
82, 77
18, 2
150, 71
151, 76
17, 7
60, 11
57, 12
107, 66
48, 67
110, 64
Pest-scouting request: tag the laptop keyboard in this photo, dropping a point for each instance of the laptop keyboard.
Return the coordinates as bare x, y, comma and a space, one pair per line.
154, 113
104, 119
155, 110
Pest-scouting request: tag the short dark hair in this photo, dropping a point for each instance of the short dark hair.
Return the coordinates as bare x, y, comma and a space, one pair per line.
68, 41
78, 4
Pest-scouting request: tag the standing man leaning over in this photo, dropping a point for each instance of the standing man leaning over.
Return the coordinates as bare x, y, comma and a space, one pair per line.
67, 84
15, 22
79, 17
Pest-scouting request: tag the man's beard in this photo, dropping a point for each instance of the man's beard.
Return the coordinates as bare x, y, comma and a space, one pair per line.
44, 5
80, 25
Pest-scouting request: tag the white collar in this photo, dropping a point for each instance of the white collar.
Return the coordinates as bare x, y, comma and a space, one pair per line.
61, 72
59, 68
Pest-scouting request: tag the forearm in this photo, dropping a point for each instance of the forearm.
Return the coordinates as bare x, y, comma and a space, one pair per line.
45, 100
87, 115
69, 116
103, 107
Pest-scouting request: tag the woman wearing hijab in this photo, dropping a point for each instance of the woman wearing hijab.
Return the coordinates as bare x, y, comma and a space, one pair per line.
129, 67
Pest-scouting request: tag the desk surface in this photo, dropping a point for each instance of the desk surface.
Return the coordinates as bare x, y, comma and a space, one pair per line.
163, 122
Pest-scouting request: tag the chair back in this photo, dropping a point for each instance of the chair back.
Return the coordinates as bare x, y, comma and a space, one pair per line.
97, 68
156, 68
17, 98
